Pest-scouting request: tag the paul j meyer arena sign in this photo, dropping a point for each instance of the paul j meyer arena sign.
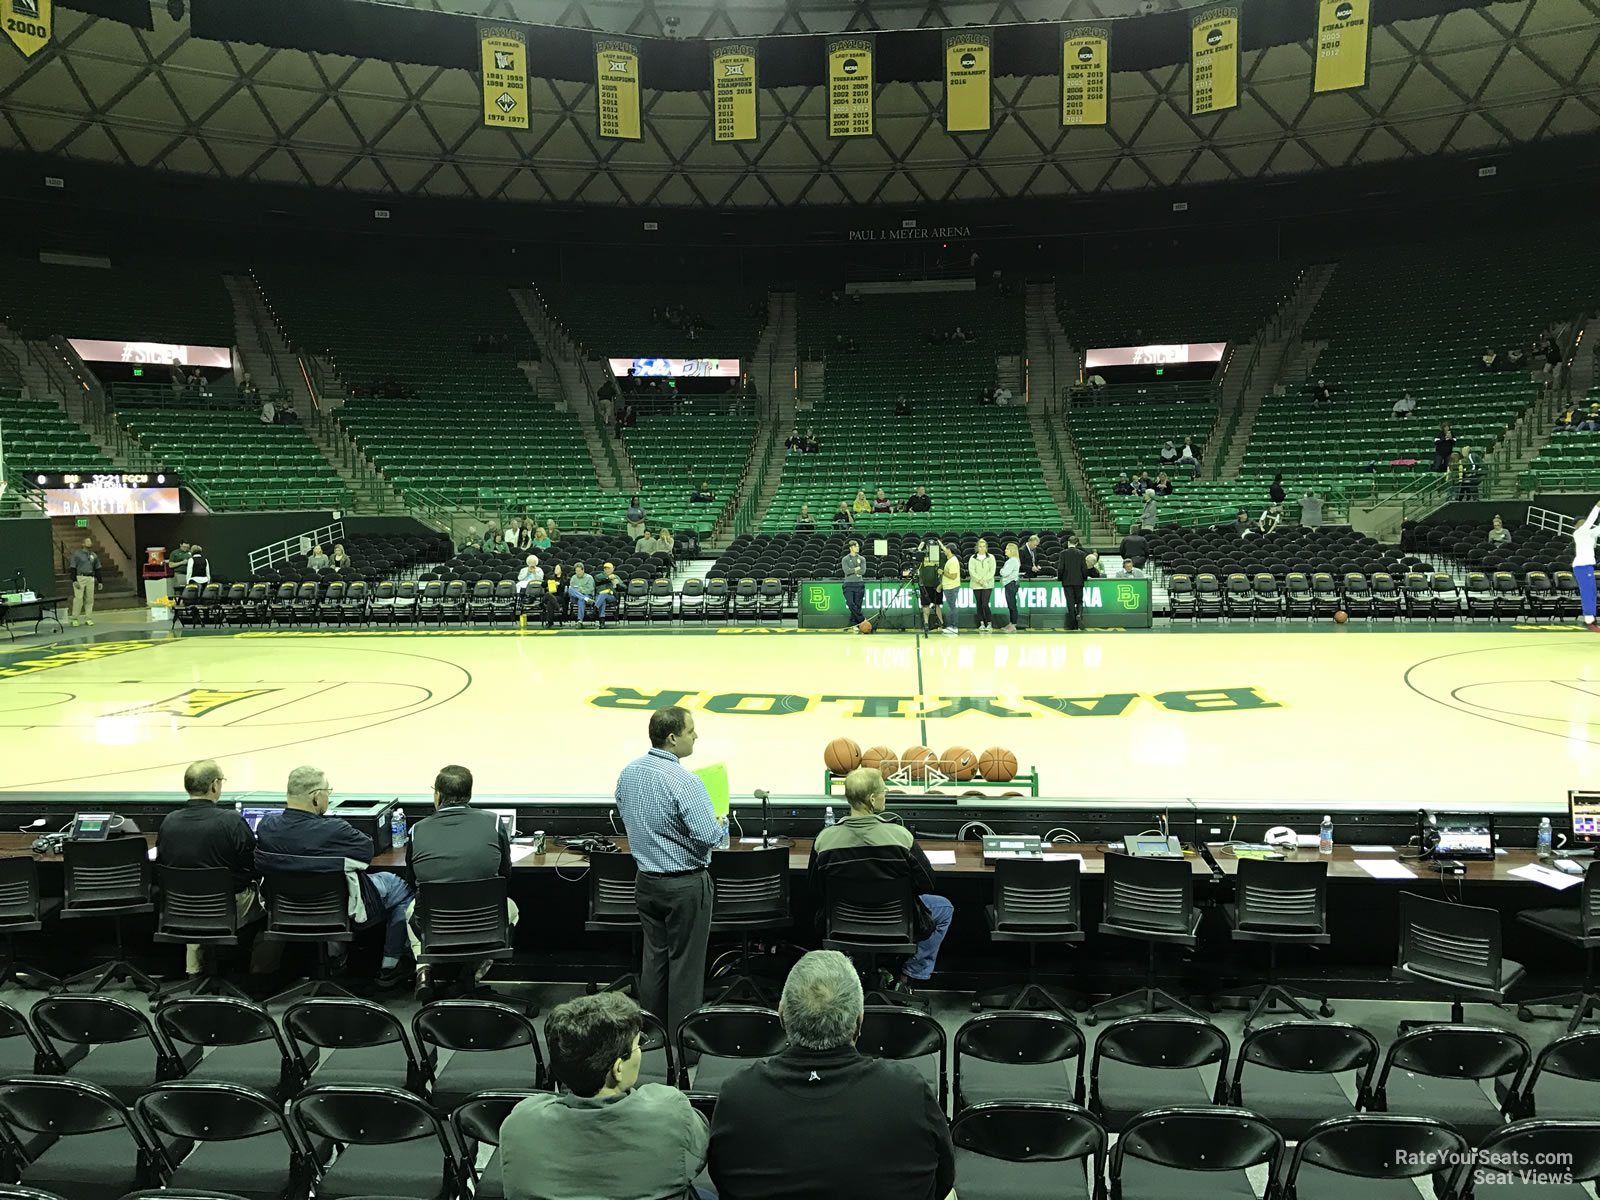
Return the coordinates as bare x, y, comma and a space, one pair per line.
1107, 604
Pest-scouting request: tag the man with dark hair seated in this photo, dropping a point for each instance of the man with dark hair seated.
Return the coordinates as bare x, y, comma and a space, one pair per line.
456, 844
604, 1136
821, 1118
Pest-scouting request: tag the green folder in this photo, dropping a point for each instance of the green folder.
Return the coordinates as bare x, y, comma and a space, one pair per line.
715, 777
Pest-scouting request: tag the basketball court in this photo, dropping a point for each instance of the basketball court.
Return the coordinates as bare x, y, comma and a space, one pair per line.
1500, 716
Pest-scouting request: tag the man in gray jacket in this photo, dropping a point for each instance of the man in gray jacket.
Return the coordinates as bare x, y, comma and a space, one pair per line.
85, 572
581, 590
853, 570
606, 1137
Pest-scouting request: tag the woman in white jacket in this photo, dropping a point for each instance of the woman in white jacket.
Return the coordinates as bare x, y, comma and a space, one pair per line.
1009, 573
980, 574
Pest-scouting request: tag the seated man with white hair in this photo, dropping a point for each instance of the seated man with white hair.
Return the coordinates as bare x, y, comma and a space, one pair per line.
822, 1119
304, 838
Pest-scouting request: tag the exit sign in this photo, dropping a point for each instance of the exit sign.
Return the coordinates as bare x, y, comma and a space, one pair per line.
83, 522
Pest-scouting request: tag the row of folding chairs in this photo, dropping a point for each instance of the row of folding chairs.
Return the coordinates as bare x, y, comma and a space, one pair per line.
455, 602
1417, 596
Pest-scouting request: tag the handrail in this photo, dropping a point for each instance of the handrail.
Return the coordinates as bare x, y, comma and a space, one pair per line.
280, 551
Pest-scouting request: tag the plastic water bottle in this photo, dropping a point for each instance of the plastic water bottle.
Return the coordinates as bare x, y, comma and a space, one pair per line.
827, 816
1545, 851
397, 827
726, 843
1325, 841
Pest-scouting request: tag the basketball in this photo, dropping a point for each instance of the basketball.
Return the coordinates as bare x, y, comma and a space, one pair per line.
915, 755
997, 765
880, 758
842, 756
959, 763
1340, 617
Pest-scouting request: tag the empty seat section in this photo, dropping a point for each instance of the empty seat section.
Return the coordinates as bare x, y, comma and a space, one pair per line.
167, 301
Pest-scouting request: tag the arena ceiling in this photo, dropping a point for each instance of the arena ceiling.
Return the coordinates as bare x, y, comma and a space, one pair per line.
1467, 81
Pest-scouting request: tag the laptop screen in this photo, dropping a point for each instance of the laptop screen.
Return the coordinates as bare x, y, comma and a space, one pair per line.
508, 820
252, 816
1465, 836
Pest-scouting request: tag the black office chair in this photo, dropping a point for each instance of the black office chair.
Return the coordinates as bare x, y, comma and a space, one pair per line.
241, 1143
495, 1048
1149, 900
308, 906
243, 1044
869, 919
108, 879
126, 1053
89, 1145
907, 1035
1024, 1149
1456, 946
477, 1121
1345, 1156
1569, 1149
197, 907
1034, 903
1281, 904
461, 925
1140, 1063
1294, 1072
391, 1142
613, 909
1018, 1056
752, 896
1564, 1081
1178, 1150
727, 1038
1439, 1072
1578, 927
22, 910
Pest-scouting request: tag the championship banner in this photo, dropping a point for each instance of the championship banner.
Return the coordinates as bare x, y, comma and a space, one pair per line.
1107, 604
1342, 43
27, 24
505, 76
616, 88
967, 82
850, 86
733, 91
1085, 73
1214, 60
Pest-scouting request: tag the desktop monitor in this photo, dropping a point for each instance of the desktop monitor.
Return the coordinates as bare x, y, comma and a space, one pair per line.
1584, 808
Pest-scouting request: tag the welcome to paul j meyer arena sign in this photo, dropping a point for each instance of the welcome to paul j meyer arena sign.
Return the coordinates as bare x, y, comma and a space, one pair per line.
1107, 604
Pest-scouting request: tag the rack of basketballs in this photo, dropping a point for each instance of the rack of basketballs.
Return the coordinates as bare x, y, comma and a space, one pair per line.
919, 769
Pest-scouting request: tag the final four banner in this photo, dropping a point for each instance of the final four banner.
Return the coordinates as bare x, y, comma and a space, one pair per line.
505, 75
968, 80
1342, 44
1214, 60
1085, 73
27, 24
850, 85
733, 91
616, 88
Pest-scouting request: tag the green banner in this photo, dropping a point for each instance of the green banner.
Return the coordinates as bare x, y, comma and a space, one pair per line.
1107, 604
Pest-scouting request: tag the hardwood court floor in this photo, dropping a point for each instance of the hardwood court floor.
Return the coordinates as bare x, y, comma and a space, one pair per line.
1494, 716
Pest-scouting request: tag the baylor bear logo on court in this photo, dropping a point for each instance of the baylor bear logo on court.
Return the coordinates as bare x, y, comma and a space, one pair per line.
197, 702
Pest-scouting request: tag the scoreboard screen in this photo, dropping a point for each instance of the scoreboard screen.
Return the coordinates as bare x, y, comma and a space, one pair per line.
131, 494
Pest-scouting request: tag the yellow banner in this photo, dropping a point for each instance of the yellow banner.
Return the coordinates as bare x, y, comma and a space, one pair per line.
1214, 60
616, 88
1342, 40
850, 86
1085, 72
27, 24
967, 81
505, 76
733, 91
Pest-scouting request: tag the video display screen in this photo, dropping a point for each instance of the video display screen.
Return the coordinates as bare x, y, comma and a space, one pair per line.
678, 368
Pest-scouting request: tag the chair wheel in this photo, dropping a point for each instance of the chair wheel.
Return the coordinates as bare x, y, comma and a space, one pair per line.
591, 989
1524, 1013
1089, 1018
1325, 1011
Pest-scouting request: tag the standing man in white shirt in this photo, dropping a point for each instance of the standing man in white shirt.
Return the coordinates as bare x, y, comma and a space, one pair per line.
1583, 538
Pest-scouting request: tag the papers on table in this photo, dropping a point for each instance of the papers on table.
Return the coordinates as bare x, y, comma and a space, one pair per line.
1061, 857
1385, 868
1549, 876
755, 841
518, 853
1372, 849
945, 858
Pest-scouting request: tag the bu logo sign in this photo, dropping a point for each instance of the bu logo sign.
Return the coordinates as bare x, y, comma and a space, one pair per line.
733, 68
504, 60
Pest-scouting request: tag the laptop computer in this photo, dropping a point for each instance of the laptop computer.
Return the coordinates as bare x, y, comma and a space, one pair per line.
1463, 835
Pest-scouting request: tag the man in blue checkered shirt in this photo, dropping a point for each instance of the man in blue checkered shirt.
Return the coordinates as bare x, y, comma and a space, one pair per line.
671, 833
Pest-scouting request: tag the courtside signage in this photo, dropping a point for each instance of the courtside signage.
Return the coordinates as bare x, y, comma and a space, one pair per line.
1107, 603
